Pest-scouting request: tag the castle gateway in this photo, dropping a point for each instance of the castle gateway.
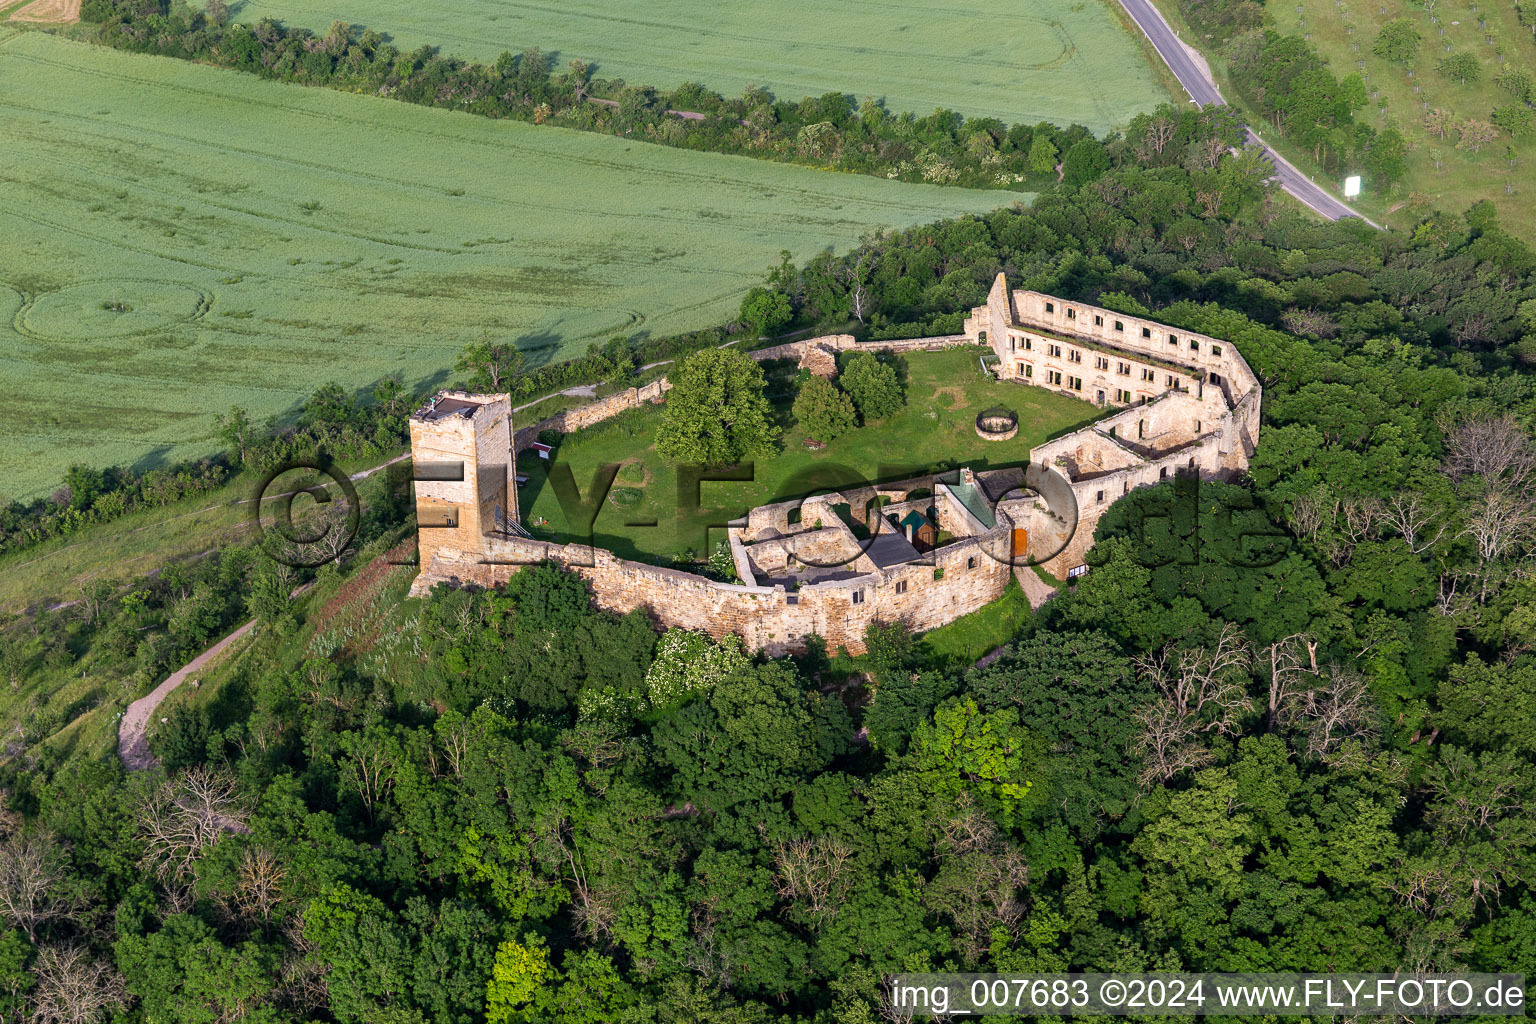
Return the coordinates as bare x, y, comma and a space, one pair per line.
924, 551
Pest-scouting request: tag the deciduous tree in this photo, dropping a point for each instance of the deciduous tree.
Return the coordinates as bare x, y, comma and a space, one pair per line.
716, 413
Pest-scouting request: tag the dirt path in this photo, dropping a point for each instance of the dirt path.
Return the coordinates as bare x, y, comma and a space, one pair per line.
1035, 589
55, 12
132, 746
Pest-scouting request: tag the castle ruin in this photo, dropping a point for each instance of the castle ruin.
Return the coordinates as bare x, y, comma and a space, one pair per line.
922, 551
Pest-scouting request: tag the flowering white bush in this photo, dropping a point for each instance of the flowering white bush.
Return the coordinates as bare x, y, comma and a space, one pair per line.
688, 661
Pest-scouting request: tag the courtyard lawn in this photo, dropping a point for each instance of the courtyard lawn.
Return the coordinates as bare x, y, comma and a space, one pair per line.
176, 240
1067, 61
935, 431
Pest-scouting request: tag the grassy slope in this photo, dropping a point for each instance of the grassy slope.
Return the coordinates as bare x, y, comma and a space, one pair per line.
1462, 178
124, 549
945, 391
964, 641
1061, 60
270, 238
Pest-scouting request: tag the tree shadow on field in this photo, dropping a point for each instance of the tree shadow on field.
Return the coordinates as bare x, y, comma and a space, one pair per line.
539, 349
156, 458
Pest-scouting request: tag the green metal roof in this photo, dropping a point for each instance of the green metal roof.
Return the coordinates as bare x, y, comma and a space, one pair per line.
975, 502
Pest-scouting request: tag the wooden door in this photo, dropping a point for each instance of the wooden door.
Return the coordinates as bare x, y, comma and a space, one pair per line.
1020, 543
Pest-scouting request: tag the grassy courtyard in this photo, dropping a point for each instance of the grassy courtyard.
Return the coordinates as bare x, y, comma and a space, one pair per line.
935, 431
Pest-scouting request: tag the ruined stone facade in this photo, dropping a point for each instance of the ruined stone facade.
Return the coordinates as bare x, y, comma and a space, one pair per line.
1189, 403
924, 551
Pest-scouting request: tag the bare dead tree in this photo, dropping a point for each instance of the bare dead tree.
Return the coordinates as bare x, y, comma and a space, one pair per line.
335, 539
34, 870
815, 872
182, 820
1167, 743
890, 1010
1292, 669
259, 885
1200, 691
859, 271
1204, 683
1311, 322
74, 987
1306, 515
1407, 513
1495, 448
1362, 518
1159, 133
1499, 524
1337, 710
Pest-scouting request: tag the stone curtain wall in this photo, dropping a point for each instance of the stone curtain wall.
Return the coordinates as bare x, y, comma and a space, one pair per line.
767, 618
952, 581
572, 420
1198, 412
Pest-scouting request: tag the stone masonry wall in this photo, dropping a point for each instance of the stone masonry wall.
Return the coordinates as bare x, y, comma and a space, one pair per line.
963, 578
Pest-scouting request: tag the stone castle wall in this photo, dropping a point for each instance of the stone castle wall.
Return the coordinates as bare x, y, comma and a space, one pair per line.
962, 578
1189, 403
572, 420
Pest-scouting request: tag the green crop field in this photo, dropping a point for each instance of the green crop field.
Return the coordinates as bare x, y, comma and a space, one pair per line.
179, 239
1441, 175
1059, 60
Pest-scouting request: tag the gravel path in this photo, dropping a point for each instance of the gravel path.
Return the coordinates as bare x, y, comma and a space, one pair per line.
132, 746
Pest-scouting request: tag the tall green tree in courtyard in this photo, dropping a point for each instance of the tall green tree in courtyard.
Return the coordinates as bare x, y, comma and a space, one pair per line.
824, 411
874, 386
716, 413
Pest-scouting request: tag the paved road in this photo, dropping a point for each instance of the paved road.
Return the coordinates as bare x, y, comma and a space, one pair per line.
1196, 80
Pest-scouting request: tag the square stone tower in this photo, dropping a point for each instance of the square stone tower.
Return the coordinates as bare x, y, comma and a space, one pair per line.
465, 478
